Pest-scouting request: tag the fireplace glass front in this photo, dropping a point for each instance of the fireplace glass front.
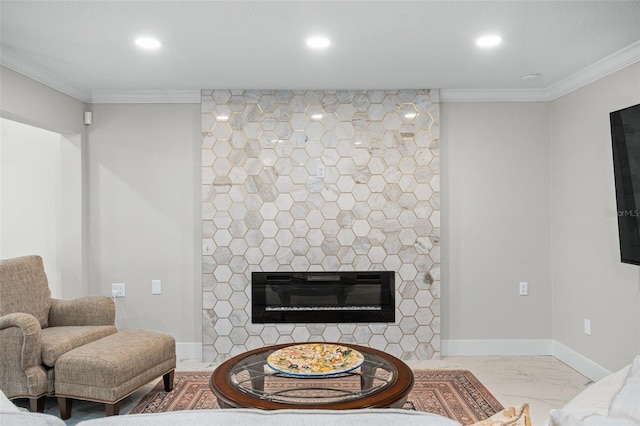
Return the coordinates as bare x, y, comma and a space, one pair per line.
323, 297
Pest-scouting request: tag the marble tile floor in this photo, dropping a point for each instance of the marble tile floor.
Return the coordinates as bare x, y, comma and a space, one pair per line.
541, 381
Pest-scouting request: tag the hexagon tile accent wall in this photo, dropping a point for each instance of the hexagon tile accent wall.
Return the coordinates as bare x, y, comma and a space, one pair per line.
320, 180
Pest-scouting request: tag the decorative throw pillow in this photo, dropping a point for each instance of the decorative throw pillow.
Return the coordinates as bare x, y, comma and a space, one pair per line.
626, 404
6, 406
596, 399
612, 401
512, 416
562, 418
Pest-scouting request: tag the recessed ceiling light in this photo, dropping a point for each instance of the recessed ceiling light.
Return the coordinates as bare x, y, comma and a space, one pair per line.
489, 41
318, 42
148, 43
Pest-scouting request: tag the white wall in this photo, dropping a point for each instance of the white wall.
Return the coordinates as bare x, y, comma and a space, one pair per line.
589, 279
26, 101
496, 222
29, 194
142, 165
527, 188
145, 214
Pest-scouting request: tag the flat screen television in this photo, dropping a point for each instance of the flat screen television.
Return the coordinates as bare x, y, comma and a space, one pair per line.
625, 137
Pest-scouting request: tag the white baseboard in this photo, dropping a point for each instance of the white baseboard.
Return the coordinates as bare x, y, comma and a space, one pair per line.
501, 347
189, 350
578, 362
523, 347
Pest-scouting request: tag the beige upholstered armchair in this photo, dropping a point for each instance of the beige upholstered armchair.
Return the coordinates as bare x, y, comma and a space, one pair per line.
35, 329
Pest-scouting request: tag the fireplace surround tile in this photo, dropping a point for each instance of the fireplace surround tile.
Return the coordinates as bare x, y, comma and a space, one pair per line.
320, 180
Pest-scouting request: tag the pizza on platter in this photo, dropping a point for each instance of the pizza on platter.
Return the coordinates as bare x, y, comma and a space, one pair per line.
315, 360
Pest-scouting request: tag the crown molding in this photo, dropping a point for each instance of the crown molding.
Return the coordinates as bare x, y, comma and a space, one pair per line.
18, 63
493, 95
596, 71
612, 63
145, 96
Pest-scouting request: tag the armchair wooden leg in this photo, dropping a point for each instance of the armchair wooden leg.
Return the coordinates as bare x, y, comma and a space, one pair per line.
64, 404
112, 409
168, 381
36, 405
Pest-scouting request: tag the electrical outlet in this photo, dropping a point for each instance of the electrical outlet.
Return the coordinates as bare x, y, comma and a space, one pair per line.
524, 288
587, 327
117, 290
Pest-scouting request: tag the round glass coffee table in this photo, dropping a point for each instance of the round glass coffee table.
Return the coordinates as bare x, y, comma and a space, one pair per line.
247, 381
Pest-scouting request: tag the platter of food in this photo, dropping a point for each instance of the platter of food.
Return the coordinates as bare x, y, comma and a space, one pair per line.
314, 360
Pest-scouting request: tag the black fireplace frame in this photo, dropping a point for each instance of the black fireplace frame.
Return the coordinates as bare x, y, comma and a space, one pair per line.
338, 284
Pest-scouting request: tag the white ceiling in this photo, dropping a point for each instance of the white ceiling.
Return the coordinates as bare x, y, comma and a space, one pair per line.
85, 48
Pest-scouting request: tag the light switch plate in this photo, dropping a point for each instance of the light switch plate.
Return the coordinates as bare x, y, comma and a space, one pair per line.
156, 287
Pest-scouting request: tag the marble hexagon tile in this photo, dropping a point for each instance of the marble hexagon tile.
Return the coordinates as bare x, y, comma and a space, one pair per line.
320, 180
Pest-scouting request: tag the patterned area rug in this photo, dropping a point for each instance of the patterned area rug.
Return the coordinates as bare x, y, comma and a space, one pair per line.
456, 394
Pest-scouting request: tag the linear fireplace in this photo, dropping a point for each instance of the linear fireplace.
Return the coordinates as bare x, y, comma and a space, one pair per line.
322, 297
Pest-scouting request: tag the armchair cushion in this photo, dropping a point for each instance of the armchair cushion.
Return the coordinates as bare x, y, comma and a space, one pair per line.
24, 288
92, 310
57, 341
